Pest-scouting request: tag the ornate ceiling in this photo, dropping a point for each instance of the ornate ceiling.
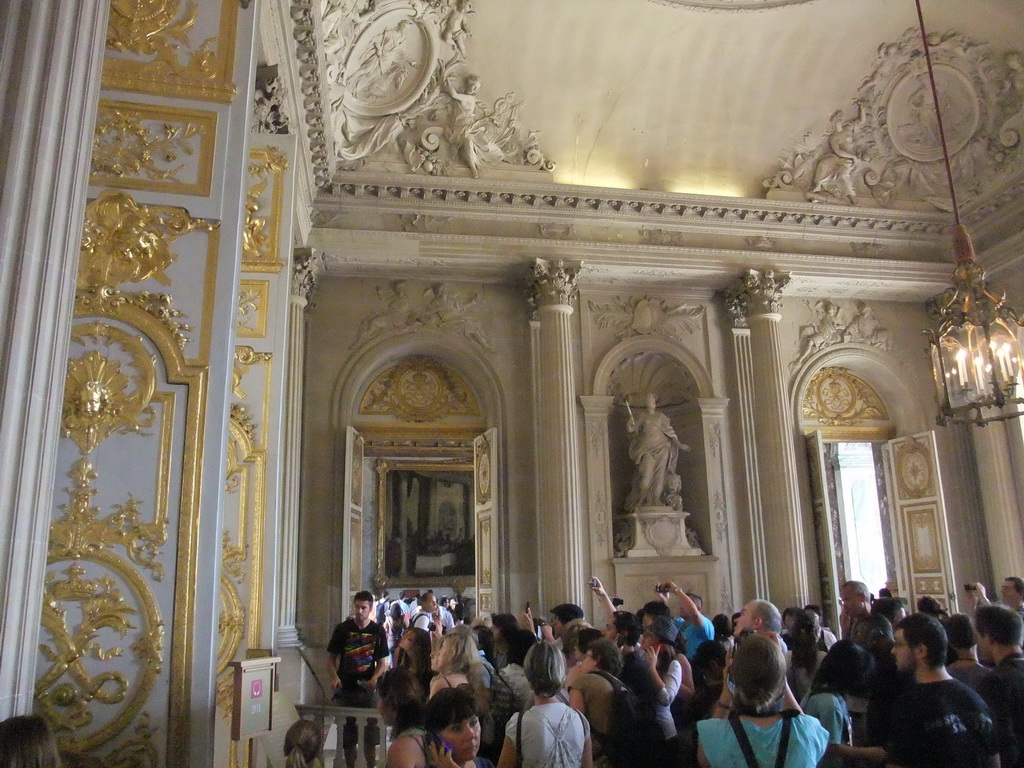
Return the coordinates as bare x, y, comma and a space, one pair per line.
807, 103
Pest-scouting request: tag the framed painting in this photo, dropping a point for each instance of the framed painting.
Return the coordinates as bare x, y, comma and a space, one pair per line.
427, 529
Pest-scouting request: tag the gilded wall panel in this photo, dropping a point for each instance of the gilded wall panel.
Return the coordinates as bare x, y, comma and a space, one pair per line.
163, 47
264, 205
149, 147
121, 563
253, 309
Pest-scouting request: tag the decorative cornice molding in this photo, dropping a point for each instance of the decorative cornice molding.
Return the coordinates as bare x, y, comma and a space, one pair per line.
308, 38
660, 208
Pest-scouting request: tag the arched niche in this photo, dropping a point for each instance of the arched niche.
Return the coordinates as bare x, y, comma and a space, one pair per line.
682, 387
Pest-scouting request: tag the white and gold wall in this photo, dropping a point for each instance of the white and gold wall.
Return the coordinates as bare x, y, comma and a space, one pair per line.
144, 530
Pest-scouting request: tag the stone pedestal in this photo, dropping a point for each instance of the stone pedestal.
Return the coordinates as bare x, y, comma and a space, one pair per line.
660, 531
635, 579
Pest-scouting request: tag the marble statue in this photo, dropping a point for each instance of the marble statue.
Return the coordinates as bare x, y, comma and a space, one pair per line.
654, 448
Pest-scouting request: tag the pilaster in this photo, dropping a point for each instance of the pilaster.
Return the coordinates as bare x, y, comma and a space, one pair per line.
999, 496
561, 545
596, 409
51, 53
752, 476
757, 297
725, 542
307, 265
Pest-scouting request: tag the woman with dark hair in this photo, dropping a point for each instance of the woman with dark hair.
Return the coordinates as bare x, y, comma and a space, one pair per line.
502, 624
453, 730
302, 745
844, 670
549, 734
413, 654
708, 679
928, 604
803, 656
756, 724
27, 742
401, 707
659, 648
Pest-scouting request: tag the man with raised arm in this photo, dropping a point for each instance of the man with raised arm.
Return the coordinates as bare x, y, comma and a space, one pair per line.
695, 626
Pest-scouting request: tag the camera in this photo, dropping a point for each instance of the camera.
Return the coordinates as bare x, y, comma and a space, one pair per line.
662, 589
617, 601
970, 587
594, 583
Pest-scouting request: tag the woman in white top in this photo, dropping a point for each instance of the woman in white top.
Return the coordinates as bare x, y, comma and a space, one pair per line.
551, 734
657, 648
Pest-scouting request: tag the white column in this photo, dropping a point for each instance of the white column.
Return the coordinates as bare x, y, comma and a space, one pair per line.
757, 296
723, 519
1003, 522
561, 542
600, 522
306, 268
745, 382
51, 52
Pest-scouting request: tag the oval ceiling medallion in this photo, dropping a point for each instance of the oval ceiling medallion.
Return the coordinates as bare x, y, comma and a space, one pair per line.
731, 5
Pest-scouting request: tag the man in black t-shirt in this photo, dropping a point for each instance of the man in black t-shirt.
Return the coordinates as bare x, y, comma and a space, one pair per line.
939, 721
1000, 633
358, 656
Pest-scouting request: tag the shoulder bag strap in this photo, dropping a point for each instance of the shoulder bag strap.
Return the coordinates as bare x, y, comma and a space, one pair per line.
741, 737
787, 726
519, 741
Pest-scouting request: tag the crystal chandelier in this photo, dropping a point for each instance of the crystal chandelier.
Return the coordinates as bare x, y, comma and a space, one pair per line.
976, 357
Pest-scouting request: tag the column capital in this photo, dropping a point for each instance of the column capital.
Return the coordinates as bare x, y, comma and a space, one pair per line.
307, 266
597, 405
553, 283
755, 293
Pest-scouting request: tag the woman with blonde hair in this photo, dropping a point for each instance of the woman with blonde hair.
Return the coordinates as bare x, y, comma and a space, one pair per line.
302, 745
757, 731
27, 742
456, 663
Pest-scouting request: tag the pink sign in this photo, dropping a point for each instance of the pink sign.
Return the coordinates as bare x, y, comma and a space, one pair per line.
256, 689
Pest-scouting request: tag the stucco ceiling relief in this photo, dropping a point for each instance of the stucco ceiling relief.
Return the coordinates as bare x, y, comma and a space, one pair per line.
401, 91
884, 149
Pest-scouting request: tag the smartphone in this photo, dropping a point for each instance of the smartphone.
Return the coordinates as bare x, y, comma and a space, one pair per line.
441, 744
527, 605
594, 583
969, 587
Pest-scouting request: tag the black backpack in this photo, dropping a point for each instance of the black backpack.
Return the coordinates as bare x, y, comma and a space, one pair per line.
634, 726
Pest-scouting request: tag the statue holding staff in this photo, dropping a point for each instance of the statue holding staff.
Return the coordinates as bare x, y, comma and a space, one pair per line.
654, 448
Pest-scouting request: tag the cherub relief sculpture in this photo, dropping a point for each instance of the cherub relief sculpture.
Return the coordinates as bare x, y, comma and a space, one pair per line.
401, 91
437, 307
828, 328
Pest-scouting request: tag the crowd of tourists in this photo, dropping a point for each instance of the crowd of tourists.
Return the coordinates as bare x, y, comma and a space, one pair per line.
669, 686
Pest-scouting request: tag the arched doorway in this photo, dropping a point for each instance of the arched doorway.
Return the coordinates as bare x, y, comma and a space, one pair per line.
419, 487
877, 504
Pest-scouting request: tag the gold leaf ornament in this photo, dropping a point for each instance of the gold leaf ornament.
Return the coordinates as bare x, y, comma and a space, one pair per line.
124, 242
124, 146
146, 27
99, 399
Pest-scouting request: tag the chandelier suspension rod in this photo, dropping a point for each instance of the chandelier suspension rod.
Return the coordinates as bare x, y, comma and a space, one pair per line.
938, 113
